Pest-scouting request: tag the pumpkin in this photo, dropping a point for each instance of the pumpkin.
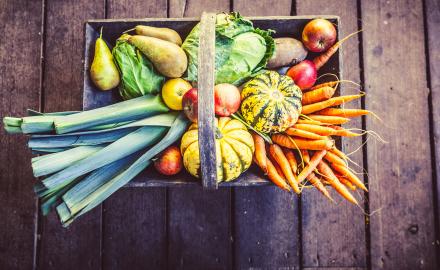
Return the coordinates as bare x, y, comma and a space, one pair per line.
271, 102
234, 149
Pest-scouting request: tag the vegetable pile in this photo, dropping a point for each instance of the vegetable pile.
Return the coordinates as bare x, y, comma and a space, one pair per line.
284, 123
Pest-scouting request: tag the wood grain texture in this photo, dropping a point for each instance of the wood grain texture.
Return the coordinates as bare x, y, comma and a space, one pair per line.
205, 95
334, 235
80, 244
199, 223
400, 173
19, 83
194, 8
432, 9
266, 229
266, 219
134, 235
199, 229
134, 220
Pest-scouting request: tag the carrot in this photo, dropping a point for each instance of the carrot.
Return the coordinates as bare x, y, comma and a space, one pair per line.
334, 159
339, 153
335, 101
305, 155
299, 143
323, 131
318, 95
275, 177
325, 170
329, 84
329, 119
260, 151
278, 156
319, 185
311, 165
292, 160
340, 131
308, 121
346, 182
323, 58
304, 134
343, 112
349, 175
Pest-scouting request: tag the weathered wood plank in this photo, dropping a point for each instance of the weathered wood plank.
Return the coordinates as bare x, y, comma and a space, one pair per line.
79, 246
432, 13
134, 234
19, 83
199, 221
265, 218
194, 8
400, 173
134, 220
334, 235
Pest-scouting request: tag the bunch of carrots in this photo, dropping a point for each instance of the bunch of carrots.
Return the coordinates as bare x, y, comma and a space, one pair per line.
310, 142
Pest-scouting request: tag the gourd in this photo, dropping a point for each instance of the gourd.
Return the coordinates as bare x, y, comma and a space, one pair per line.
271, 102
234, 149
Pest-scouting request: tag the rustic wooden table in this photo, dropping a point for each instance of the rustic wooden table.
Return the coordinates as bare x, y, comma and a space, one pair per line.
395, 58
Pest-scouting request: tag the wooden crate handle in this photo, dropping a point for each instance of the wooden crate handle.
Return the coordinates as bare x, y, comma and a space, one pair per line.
206, 118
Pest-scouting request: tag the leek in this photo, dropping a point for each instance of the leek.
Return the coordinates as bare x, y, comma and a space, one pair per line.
129, 110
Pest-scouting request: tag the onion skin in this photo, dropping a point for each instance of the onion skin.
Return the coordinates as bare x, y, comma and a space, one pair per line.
303, 74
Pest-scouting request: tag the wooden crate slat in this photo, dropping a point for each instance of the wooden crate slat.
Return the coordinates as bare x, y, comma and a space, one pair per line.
334, 234
80, 244
432, 9
135, 221
400, 175
20, 68
205, 122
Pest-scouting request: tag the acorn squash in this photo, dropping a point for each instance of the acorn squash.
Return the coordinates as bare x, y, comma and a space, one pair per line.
234, 149
271, 102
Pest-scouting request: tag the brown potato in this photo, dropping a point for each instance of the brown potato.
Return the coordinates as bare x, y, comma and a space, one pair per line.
288, 51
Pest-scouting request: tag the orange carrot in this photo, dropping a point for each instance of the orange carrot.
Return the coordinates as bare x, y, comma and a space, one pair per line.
299, 143
327, 172
275, 177
305, 156
346, 182
317, 95
260, 152
304, 134
335, 101
324, 57
334, 159
309, 121
340, 131
278, 156
349, 175
329, 84
343, 112
292, 160
311, 165
323, 131
339, 153
319, 185
329, 119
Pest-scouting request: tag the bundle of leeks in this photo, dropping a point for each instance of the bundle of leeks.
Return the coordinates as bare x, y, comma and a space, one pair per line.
87, 156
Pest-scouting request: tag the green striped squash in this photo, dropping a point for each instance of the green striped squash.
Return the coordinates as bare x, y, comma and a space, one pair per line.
271, 102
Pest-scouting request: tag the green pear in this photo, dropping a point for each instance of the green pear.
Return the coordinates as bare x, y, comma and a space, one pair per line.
158, 32
104, 73
168, 58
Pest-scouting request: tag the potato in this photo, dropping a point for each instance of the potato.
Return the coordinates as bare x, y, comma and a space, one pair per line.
288, 51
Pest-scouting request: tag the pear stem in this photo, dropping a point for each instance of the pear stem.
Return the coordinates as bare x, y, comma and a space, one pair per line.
100, 32
129, 30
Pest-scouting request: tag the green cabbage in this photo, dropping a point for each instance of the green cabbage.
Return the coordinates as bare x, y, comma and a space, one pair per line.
138, 76
240, 49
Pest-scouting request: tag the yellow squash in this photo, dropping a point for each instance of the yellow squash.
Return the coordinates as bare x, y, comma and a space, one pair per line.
234, 149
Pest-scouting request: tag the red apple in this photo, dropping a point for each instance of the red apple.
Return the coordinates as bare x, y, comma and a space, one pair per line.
227, 99
169, 161
189, 104
319, 35
303, 74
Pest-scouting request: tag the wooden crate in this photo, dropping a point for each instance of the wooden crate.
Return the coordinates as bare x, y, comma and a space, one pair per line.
286, 26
